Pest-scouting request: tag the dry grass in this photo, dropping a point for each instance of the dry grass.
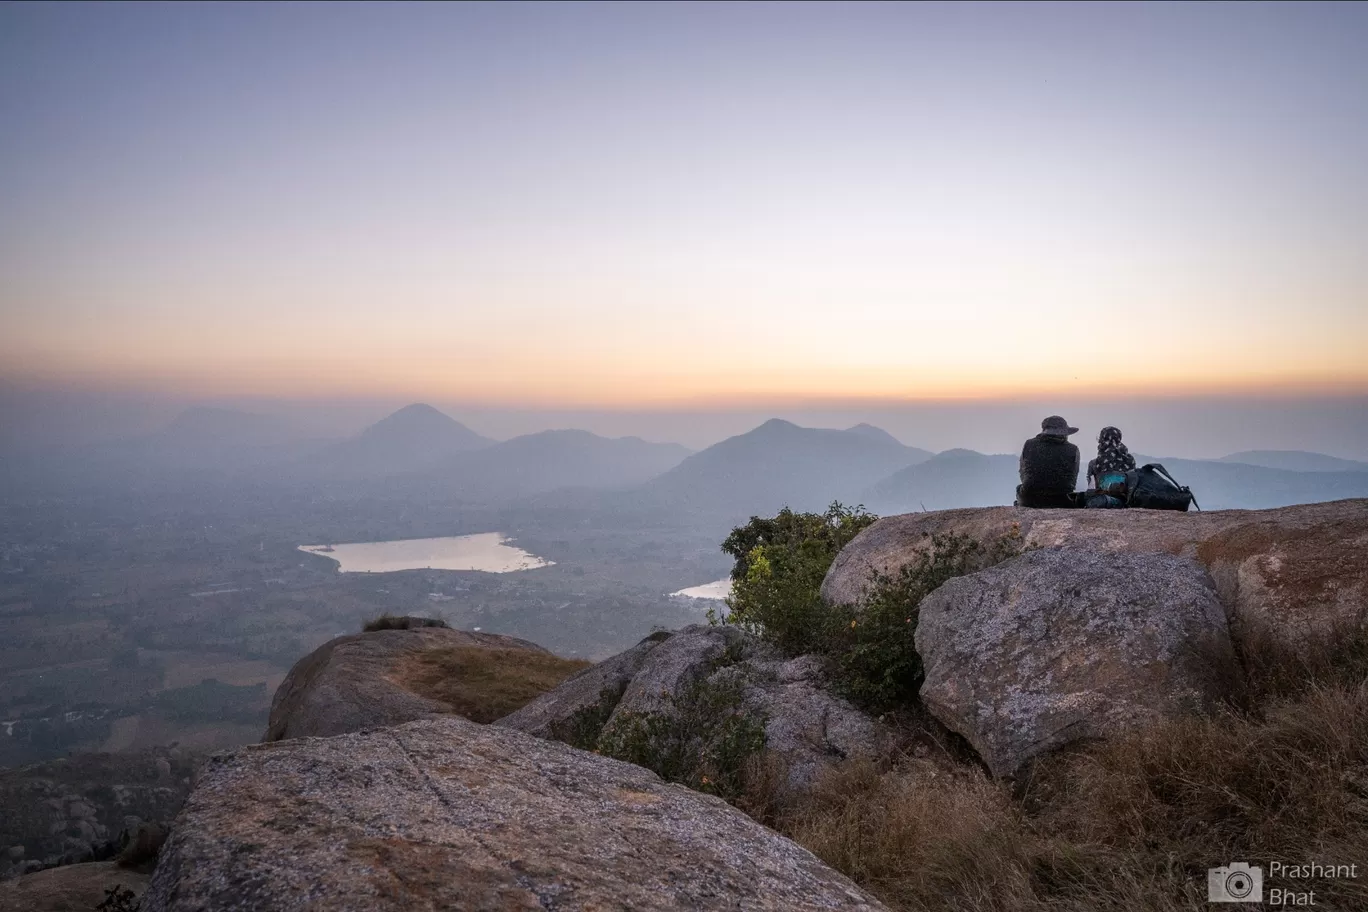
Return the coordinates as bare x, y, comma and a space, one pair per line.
484, 684
1129, 824
1275, 668
919, 835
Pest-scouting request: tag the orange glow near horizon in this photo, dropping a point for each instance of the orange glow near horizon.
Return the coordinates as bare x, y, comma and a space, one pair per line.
629, 205
566, 383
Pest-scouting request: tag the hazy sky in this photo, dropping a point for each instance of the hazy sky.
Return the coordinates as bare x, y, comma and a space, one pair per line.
644, 205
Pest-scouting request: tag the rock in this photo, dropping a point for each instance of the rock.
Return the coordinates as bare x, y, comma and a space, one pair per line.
679, 663
81, 810
1301, 569
675, 690
446, 813
355, 682
1057, 646
74, 807
806, 726
592, 694
74, 888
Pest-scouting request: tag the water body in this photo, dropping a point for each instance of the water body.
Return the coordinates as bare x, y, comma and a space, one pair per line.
489, 552
715, 591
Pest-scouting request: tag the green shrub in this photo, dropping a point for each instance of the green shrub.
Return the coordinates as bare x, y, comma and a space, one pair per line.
776, 595
119, 898
703, 743
777, 577
875, 649
583, 728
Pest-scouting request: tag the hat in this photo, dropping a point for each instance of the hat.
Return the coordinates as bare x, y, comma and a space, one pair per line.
1057, 427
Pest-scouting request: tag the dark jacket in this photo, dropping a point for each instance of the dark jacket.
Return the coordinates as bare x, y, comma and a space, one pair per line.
1049, 472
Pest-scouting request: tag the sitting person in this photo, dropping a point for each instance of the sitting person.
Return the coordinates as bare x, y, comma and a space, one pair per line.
1107, 473
1049, 467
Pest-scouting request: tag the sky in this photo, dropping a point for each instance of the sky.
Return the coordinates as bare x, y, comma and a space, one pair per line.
638, 207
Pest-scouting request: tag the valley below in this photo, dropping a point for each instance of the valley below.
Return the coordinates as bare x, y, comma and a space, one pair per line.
163, 606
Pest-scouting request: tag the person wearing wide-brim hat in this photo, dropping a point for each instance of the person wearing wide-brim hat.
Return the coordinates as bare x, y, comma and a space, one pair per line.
1049, 467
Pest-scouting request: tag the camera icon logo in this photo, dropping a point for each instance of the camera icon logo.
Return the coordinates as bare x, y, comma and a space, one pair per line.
1235, 882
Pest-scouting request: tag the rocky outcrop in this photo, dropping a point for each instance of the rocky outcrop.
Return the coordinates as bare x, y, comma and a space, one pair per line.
675, 689
1057, 646
585, 699
359, 681
449, 814
78, 808
73, 888
1299, 569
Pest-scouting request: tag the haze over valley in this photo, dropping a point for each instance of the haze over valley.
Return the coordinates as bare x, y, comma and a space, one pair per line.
157, 588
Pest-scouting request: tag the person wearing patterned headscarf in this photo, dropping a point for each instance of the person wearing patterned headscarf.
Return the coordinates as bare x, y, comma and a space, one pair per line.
1113, 458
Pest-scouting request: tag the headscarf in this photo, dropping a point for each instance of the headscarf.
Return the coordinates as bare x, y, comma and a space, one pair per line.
1112, 455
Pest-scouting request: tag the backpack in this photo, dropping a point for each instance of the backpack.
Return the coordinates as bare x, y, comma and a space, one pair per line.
1151, 487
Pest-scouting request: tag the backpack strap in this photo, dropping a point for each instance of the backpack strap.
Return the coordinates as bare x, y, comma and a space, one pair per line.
1163, 473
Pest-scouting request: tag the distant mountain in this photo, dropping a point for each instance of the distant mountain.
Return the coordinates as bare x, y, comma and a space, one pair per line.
1222, 485
198, 447
964, 478
955, 478
214, 427
877, 433
212, 440
414, 438
780, 463
536, 463
1295, 461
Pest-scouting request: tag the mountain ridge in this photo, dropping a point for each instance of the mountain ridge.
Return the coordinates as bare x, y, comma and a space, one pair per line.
781, 464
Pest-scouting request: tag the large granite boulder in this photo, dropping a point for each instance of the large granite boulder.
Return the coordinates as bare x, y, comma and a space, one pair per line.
79, 808
72, 888
676, 688
1300, 570
1057, 646
449, 814
369, 680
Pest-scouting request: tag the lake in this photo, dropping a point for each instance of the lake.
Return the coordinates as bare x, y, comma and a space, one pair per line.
716, 591
489, 552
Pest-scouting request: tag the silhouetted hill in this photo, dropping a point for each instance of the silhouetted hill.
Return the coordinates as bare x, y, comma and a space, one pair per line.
1295, 461
548, 460
1220, 485
778, 464
877, 433
414, 438
955, 478
964, 478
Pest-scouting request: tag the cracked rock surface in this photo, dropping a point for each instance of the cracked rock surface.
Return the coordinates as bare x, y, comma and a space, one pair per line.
448, 814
